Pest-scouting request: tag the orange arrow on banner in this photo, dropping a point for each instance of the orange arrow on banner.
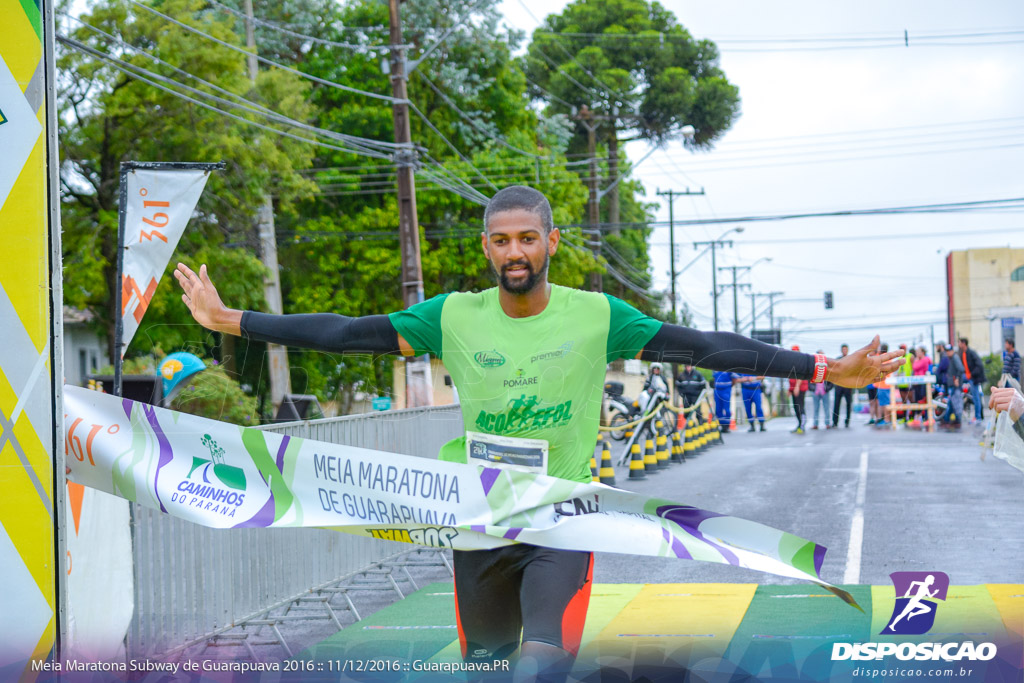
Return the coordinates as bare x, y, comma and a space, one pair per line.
75, 494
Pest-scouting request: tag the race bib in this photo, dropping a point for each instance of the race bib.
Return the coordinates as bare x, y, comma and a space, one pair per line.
507, 452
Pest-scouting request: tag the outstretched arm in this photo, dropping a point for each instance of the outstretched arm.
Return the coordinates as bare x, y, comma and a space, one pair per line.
319, 331
731, 352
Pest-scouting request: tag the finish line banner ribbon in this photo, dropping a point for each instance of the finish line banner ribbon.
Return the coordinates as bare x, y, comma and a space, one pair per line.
224, 476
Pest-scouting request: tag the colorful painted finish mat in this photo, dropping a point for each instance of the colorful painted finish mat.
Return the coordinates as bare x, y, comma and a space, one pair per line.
727, 632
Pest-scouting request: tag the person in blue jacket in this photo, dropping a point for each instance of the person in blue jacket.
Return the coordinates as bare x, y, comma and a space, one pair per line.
750, 386
723, 397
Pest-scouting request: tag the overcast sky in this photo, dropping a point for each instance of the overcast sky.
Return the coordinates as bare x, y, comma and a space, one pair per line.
831, 129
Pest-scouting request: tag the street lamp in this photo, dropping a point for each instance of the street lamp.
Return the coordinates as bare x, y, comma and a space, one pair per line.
713, 244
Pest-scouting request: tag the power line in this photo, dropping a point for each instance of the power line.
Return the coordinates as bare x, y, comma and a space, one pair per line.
156, 59
856, 135
149, 77
466, 117
315, 79
549, 93
133, 75
448, 142
589, 91
303, 36
835, 160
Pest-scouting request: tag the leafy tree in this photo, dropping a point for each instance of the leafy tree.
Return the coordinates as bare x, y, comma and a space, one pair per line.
107, 117
341, 252
641, 73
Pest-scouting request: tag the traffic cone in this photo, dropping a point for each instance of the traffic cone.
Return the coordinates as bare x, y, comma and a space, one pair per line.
636, 462
593, 470
677, 448
732, 425
681, 422
650, 458
690, 444
607, 471
661, 453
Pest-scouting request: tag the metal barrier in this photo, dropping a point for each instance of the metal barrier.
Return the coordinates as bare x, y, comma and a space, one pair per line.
191, 580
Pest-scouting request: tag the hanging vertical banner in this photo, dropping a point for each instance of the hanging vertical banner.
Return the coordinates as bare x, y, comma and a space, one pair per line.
157, 205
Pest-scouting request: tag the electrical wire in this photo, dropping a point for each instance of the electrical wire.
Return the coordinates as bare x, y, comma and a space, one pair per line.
149, 77
71, 43
423, 117
315, 79
277, 27
466, 117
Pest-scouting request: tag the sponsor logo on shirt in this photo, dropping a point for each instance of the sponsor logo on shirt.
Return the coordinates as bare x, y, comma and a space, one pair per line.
523, 413
560, 352
489, 359
520, 380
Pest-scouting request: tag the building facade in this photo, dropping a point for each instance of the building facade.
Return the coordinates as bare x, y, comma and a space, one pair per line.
985, 297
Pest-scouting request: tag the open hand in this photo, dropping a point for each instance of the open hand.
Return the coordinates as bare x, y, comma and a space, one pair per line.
864, 366
203, 301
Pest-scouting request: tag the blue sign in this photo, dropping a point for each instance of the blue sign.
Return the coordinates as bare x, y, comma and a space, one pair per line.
381, 403
1012, 322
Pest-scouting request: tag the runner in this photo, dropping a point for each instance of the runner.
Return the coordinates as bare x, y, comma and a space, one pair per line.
529, 360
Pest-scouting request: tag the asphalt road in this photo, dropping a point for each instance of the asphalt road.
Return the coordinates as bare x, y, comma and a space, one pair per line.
930, 502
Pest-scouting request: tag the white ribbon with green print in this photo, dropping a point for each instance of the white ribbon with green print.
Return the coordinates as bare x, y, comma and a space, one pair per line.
224, 476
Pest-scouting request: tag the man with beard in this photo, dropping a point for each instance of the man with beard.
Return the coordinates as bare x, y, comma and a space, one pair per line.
528, 359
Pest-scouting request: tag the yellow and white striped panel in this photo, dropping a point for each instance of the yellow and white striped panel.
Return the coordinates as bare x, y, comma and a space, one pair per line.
27, 557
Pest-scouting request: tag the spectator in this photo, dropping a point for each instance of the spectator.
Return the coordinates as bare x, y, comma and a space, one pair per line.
874, 411
750, 388
689, 385
723, 398
974, 371
906, 370
953, 379
942, 366
655, 380
882, 396
1011, 360
798, 394
921, 364
819, 394
841, 393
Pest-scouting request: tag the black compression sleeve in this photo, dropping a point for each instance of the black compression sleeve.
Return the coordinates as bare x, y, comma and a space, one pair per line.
726, 351
323, 331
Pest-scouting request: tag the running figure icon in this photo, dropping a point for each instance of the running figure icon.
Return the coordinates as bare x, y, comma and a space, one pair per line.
917, 606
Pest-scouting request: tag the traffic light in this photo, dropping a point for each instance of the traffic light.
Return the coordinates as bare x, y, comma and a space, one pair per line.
828, 299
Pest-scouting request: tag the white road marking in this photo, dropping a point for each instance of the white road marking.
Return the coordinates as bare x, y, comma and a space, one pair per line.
853, 552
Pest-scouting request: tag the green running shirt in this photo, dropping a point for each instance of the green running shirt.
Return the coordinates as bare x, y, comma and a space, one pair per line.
540, 377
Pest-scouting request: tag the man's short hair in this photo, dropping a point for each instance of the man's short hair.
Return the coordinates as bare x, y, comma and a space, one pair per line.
520, 197
964, 340
1012, 343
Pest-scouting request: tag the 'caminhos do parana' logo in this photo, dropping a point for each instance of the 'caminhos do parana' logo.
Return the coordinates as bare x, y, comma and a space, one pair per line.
212, 485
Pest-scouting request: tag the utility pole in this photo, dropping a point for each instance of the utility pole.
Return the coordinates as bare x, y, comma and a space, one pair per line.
713, 244
671, 194
277, 355
735, 294
771, 308
587, 118
418, 390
